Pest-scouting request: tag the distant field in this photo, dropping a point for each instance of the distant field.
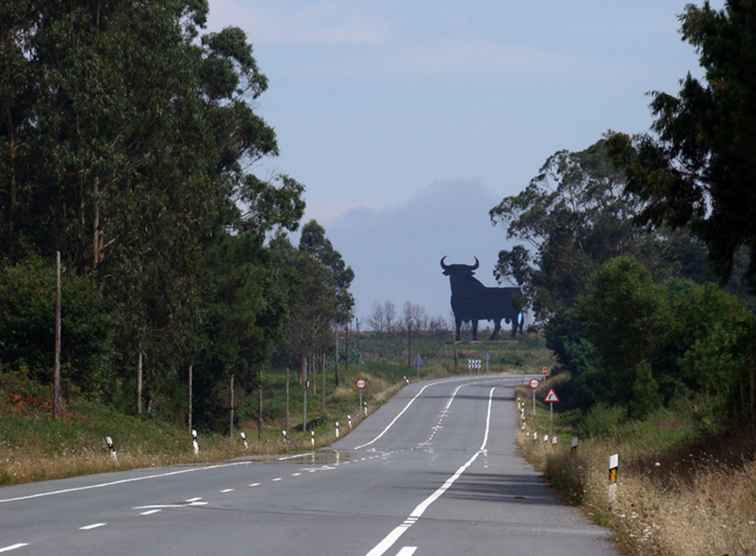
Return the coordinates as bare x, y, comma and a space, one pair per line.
34, 447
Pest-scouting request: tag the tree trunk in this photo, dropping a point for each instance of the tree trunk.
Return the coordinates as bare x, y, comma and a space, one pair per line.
58, 341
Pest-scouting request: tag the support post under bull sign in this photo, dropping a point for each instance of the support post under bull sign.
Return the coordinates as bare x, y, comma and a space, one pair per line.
471, 301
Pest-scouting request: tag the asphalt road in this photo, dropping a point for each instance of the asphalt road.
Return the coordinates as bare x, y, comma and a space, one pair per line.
434, 472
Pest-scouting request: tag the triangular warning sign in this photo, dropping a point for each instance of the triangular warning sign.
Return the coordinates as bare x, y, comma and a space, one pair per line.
551, 397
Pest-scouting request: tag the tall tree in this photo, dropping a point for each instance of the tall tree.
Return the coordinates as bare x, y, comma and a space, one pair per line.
700, 168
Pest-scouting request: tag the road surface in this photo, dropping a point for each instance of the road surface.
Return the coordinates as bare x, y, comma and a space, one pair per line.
433, 472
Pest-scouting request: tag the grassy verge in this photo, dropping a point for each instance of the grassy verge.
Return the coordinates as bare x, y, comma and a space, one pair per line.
35, 447
679, 493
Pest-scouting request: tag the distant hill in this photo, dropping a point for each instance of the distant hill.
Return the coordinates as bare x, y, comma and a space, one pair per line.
395, 252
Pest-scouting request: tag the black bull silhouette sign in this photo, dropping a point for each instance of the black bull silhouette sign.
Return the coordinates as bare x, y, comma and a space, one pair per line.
472, 301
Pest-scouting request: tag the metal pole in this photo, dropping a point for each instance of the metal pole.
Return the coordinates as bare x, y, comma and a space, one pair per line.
286, 426
360, 399
56, 370
534, 407
551, 419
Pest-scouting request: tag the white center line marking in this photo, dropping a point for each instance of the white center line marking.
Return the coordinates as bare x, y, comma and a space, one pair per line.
14, 546
254, 484
277, 479
123, 481
389, 540
92, 526
150, 512
407, 551
195, 499
226, 490
295, 474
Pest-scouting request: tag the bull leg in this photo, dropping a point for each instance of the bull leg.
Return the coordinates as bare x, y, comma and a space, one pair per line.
514, 327
458, 324
475, 329
497, 327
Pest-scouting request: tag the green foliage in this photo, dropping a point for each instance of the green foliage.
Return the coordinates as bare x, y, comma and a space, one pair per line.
27, 303
698, 169
645, 392
602, 420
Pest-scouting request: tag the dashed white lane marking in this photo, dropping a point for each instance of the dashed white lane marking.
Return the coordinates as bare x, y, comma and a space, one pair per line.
254, 484
150, 512
389, 540
195, 499
407, 551
168, 506
124, 481
226, 490
14, 546
276, 479
91, 526
295, 474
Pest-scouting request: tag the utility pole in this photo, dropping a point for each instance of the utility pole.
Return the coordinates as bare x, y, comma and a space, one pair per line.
306, 383
139, 380
259, 406
231, 406
286, 423
56, 370
191, 366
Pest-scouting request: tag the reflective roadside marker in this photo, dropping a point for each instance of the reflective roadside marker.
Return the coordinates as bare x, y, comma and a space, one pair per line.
574, 444
111, 447
312, 438
244, 439
613, 476
349, 421
195, 442
337, 429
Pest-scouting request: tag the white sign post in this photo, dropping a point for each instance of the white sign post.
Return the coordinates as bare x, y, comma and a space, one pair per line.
613, 476
533, 386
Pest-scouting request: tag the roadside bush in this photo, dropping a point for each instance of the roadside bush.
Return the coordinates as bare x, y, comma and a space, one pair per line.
602, 420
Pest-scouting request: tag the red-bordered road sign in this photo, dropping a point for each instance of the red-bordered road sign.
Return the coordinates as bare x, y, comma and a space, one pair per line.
551, 397
360, 383
533, 383
546, 371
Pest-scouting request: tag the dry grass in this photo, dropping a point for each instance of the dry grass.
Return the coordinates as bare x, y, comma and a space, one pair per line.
704, 507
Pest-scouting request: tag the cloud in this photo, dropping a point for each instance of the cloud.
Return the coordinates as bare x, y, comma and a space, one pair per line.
324, 23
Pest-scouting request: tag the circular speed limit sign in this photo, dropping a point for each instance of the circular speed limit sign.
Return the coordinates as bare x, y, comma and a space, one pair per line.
533, 383
360, 383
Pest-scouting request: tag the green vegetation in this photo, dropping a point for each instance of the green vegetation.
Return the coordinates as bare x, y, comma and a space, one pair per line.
636, 255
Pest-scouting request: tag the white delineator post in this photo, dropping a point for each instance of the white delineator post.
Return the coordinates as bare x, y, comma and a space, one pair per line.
312, 439
111, 447
338, 431
243, 436
613, 476
349, 421
285, 439
364, 408
195, 442
574, 445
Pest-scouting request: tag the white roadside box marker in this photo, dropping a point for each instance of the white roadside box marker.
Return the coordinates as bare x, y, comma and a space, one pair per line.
613, 476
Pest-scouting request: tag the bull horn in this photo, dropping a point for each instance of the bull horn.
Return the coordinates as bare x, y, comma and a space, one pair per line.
476, 265
444, 266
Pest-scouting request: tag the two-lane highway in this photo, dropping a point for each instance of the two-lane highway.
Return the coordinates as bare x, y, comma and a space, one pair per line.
433, 472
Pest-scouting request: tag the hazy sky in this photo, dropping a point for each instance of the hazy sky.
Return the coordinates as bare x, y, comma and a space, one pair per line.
373, 101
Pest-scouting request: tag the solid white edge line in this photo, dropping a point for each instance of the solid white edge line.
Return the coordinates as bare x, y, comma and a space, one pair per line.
123, 481
254, 484
276, 479
195, 499
150, 512
407, 551
388, 541
92, 526
406, 407
226, 490
14, 546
